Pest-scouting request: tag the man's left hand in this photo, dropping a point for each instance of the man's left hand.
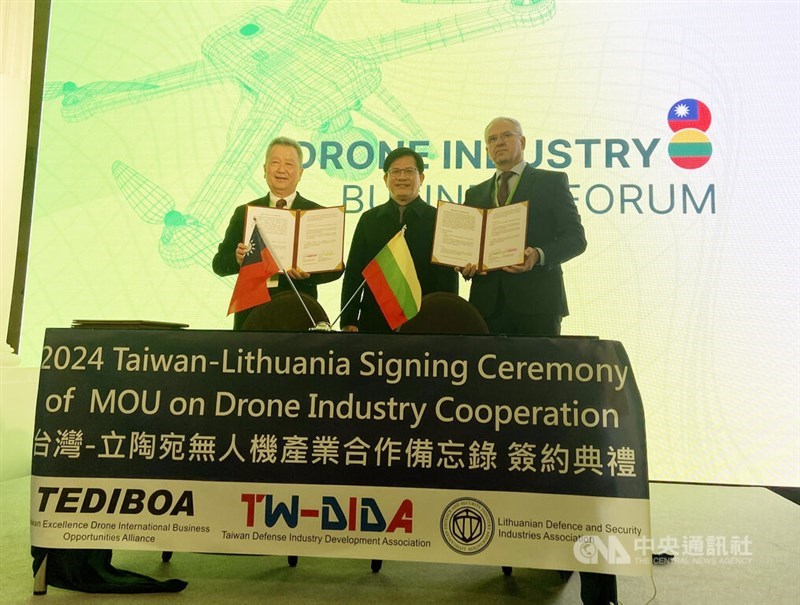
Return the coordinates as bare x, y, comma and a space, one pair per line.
531, 258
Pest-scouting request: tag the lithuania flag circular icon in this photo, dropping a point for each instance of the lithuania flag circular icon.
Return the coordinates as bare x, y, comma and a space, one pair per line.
689, 148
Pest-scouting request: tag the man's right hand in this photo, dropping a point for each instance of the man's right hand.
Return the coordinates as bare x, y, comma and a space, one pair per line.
469, 271
349, 328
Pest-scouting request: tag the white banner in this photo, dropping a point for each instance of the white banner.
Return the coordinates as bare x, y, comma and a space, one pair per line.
542, 531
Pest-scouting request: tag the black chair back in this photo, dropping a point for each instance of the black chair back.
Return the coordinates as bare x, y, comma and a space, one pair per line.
445, 313
285, 313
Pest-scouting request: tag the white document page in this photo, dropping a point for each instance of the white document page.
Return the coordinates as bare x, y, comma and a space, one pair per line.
505, 236
457, 235
277, 225
320, 241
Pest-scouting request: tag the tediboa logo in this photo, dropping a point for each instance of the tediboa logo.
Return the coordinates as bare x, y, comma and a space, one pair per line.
689, 119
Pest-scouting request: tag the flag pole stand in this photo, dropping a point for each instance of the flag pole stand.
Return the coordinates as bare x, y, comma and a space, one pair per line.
348, 303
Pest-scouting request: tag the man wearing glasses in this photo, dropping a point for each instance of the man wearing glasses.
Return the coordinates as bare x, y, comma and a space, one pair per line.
403, 173
529, 299
526, 299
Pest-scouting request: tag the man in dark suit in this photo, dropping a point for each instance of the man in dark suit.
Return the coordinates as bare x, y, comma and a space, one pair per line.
526, 299
529, 299
403, 173
282, 171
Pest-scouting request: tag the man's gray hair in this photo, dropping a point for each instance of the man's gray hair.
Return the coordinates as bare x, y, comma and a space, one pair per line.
289, 143
514, 121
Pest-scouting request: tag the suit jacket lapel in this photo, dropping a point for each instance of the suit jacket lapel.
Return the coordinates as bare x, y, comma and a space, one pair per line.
525, 185
302, 203
485, 193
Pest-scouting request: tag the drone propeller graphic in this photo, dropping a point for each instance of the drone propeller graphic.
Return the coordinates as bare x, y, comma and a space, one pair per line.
74, 94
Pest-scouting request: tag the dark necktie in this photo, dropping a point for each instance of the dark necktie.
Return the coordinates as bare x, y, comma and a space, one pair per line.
502, 187
281, 203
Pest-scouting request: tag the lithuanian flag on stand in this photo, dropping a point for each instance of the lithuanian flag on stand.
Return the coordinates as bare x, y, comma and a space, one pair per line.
393, 280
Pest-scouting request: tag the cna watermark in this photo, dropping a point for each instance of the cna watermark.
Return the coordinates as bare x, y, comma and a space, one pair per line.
686, 550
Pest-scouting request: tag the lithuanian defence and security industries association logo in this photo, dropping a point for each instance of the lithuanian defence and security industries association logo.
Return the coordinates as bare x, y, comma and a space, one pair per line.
690, 147
467, 526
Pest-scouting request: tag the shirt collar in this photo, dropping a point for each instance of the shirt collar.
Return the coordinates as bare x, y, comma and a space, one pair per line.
272, 197
413, 206
517, 169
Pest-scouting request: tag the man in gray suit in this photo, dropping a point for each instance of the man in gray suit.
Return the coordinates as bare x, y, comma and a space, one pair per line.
529, 298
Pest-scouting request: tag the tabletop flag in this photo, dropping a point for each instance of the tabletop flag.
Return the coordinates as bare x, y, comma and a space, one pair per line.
251, 283
393, 280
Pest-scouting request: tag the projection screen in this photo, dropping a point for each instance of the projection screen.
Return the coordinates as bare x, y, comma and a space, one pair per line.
677, 124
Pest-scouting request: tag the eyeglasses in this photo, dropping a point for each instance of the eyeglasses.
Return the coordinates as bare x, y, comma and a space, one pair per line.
395, 172
495, 138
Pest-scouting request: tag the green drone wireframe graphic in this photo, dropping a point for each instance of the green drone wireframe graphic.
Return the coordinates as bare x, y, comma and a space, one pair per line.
301, 77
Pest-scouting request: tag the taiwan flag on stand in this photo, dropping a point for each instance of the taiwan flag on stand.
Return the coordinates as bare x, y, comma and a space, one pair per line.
393, 280
251, 283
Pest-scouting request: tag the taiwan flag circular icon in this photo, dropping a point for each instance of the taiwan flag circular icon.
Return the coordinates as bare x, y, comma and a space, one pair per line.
689, 148
689, 113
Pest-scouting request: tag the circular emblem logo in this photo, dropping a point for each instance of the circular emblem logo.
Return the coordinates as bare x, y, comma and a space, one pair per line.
467, 526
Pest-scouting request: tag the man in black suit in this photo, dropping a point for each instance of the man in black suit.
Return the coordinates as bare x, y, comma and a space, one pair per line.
529, 299
282, 171
403, 173
526, 299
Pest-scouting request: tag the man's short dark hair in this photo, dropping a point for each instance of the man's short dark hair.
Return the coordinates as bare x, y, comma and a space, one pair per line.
402, 152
